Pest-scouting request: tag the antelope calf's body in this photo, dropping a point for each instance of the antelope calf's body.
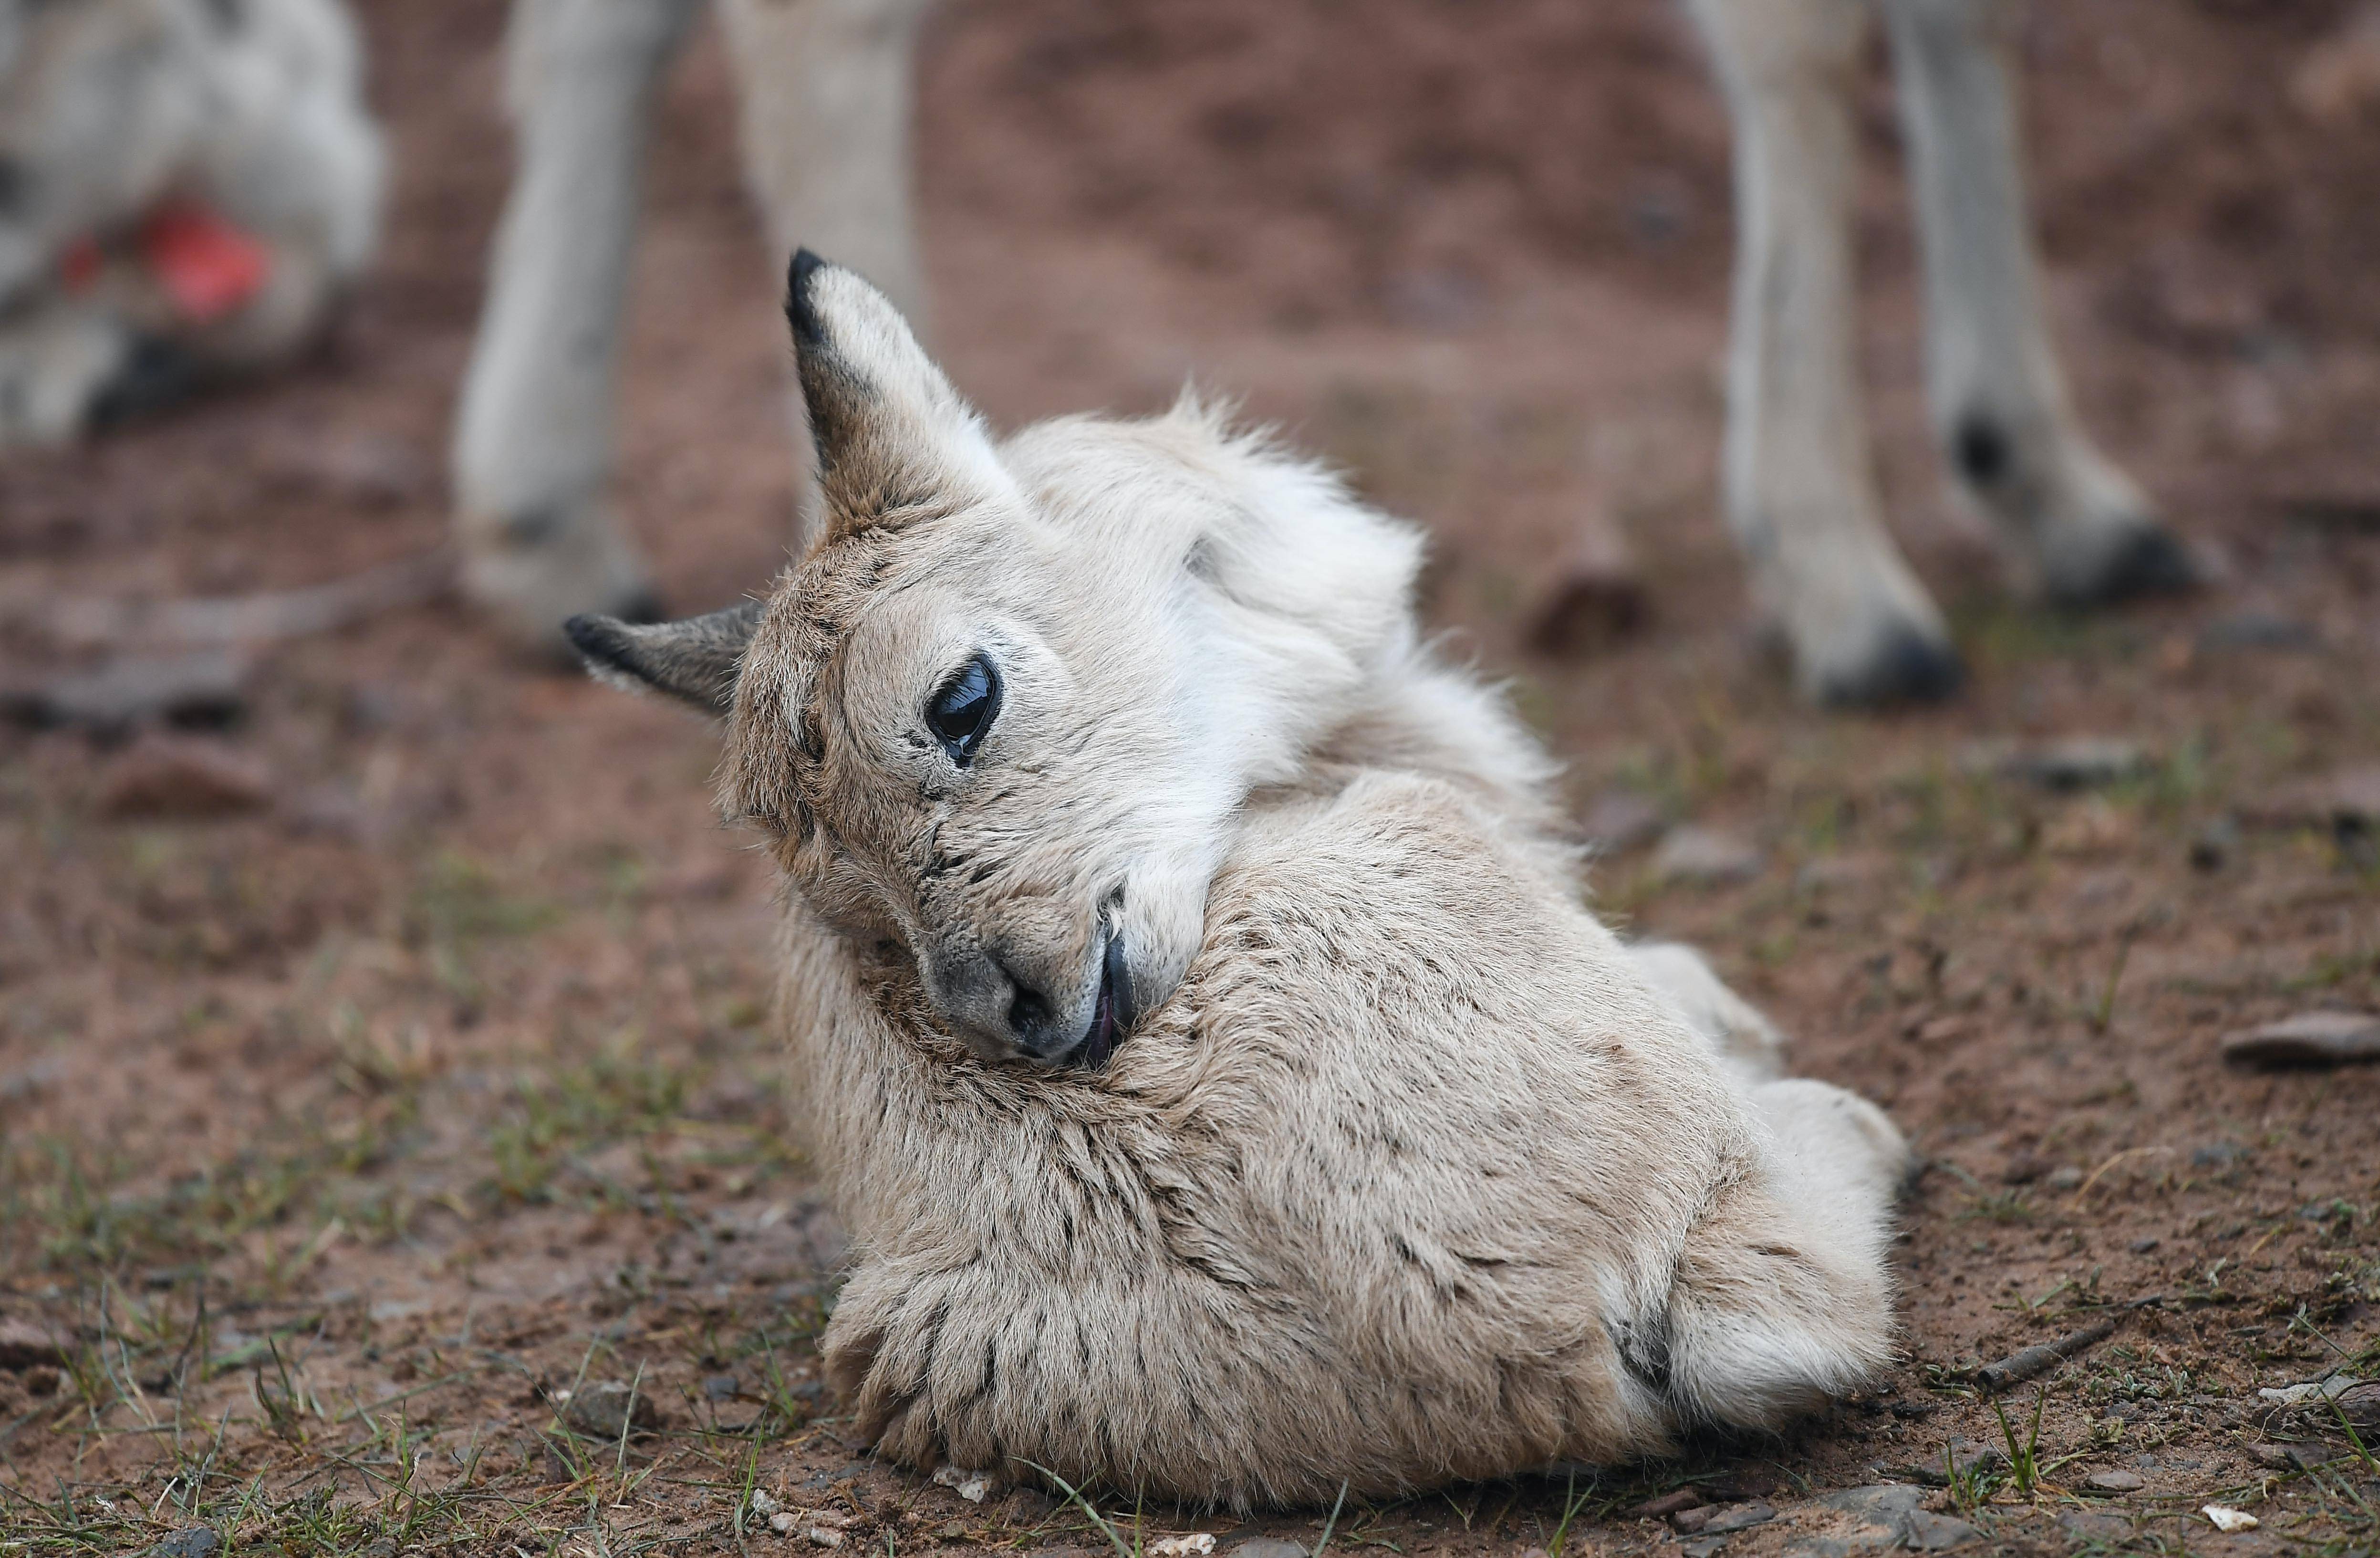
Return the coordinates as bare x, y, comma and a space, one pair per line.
1191, 1007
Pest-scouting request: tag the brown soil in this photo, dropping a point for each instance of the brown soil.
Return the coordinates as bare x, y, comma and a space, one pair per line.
345, 1131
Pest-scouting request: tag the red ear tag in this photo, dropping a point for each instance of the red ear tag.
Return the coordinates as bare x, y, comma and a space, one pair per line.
79, 263
207, 267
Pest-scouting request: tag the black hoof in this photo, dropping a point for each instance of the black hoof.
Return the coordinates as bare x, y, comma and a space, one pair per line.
2149, 561
1909, 667
156, 374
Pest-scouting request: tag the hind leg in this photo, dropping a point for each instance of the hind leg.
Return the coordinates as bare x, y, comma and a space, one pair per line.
1743, 1041
1782, 1298
2000, 405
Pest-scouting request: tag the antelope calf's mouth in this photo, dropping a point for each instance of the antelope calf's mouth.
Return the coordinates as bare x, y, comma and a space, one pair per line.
1111, 1016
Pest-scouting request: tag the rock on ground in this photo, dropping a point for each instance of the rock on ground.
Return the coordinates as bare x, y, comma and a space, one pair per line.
1689, 853
609, 1408
184, 777
2308, 1039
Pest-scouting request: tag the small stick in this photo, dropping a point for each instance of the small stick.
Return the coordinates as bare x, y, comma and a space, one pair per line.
2026, 1362
265, 616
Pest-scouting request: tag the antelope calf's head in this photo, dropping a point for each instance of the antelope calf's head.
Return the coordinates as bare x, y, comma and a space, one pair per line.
998, 720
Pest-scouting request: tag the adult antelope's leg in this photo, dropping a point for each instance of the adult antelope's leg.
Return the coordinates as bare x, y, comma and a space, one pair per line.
826, 108
533, 439
2000, 402
826, 111
1799, 493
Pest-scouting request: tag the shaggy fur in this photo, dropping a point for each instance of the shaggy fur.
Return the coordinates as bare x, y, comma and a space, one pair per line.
252, 109
1408, 1170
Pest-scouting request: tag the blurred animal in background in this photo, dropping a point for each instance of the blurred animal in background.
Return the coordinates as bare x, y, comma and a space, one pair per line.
825, 92
1800, 489
825, 115
186, 187
1197, 1024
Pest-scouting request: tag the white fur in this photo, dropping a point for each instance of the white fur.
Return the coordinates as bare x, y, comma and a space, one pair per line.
1408, 1170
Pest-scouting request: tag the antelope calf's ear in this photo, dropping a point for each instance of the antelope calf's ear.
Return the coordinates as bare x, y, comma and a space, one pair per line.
694, 661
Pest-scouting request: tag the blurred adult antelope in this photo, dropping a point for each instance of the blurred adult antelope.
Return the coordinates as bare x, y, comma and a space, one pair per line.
825, 121
187, 188
1192, 1011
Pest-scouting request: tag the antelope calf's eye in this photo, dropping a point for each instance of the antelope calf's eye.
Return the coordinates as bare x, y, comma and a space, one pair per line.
960, 714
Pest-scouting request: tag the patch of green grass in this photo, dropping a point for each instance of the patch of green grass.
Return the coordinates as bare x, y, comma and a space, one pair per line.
2024, 1460
457, 900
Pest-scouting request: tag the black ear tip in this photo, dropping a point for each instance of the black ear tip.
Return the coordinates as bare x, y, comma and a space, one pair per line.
800, 314
597, 637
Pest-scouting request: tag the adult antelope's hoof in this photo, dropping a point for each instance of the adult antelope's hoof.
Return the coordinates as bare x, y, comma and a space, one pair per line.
529, 574
1905, 665
2143, 560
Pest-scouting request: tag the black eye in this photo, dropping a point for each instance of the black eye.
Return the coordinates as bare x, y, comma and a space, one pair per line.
962, 713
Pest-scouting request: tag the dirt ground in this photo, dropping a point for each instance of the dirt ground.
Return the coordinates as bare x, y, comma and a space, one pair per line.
345, 1130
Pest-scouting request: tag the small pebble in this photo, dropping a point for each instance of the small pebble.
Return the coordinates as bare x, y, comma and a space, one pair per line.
782, 1521
972, 1486
191, 1541
1924, 1531
2078, 762
1667, 1504
610, 1408
2308, 1039
1689, 853
2216, 844
2228, 1519
2088, 1527
1197, 1544
2115, 1482
182, 777
1739, 1518
1620, 820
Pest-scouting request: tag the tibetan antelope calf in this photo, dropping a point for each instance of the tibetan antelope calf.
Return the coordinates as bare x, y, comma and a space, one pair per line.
825, 116
1191, 1006
186, 187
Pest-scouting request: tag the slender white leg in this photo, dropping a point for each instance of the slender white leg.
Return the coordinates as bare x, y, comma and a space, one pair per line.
57, 362
2000, 402
827, 93
1799, 491
826, 110
533, 440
